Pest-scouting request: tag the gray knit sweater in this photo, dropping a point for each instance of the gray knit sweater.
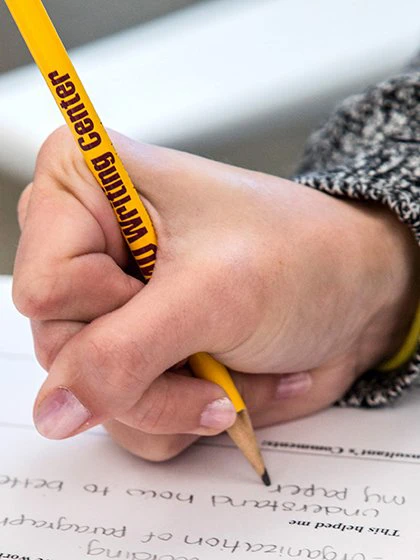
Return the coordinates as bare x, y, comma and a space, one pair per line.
369, 149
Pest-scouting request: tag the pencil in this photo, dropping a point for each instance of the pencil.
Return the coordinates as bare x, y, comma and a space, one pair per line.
103, 161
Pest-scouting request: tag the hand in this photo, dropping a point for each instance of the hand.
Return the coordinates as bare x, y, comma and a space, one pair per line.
296, 290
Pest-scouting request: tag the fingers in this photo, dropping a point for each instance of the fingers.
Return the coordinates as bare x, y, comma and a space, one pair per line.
106, 367
82, 289
62, 270
163, 438
303, 394
271, 399
68, 264
68, 273
176, 403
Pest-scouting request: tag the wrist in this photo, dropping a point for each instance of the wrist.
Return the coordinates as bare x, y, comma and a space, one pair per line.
395, 256
408, 349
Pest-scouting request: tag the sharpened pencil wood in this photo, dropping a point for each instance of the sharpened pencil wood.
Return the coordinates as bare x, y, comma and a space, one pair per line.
242, 433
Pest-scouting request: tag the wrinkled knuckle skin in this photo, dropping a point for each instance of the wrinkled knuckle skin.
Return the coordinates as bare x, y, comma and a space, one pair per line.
115, 359
101, 353
38, 300
152, 411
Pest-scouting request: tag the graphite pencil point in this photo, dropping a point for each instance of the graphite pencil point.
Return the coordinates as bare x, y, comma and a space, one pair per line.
266, 478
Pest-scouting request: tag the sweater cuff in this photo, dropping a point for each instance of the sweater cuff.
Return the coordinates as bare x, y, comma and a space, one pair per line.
363, 181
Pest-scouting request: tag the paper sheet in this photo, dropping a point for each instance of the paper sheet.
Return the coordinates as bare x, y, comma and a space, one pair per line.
346, 485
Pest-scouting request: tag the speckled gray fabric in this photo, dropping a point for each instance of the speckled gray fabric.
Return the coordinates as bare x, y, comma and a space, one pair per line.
369, 149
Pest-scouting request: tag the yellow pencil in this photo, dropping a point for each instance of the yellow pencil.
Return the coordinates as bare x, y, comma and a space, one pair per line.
103, 161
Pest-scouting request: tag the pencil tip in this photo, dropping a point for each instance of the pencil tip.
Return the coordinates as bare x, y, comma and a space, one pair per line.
266, 479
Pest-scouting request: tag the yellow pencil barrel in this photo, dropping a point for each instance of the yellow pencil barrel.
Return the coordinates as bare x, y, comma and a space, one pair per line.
93, 140
206, 367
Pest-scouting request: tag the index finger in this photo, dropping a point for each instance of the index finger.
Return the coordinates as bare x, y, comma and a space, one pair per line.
71, 251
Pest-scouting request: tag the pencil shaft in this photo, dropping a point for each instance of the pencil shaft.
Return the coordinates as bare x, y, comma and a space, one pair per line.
208, 368
103, 161
91, 136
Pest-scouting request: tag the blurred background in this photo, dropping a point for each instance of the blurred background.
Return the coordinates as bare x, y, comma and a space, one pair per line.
242, 81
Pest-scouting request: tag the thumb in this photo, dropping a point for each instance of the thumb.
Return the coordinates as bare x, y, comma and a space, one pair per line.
105, 368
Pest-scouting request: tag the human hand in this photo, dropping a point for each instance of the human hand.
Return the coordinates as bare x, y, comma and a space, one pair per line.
295, 291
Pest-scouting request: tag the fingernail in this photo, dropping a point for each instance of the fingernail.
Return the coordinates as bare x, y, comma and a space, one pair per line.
293, 384
60, 414
219, 415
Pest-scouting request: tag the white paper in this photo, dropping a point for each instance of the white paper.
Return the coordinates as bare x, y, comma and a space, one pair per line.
346, 485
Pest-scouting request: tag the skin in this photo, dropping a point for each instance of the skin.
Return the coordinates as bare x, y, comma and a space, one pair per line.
297, 292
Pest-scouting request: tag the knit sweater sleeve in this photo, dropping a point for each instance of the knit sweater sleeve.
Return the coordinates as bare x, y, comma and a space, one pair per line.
369, 149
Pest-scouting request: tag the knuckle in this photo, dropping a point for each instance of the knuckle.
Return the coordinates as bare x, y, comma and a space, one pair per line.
59, 138
49, 338
118, 360
60, 158
153, 409
39, 299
